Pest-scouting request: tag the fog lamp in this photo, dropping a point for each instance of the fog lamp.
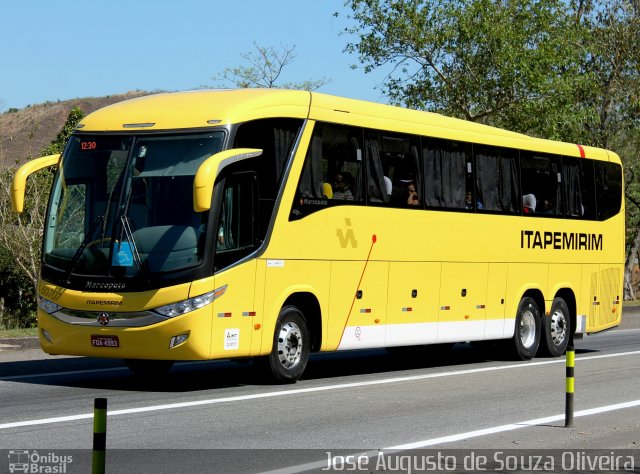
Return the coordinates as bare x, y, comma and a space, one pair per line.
177, 340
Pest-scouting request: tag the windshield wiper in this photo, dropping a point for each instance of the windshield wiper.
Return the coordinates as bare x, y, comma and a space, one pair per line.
83, 245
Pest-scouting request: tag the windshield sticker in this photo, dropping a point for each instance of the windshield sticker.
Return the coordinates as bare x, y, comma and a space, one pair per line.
122, 256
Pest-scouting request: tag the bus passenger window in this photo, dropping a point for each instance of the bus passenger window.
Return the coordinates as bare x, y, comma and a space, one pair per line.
608, 189
446, 173
393, 164
333, 172
276, 138
541, 177
497, 179
579, 188
376, 183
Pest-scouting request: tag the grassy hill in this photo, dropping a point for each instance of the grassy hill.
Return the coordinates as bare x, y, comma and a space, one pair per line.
23, 133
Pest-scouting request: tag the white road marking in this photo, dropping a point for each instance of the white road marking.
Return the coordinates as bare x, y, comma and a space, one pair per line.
511, 427
283, 393
324, 464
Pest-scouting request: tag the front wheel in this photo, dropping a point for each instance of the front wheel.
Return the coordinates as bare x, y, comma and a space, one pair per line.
527, 331
556, 329
291, 346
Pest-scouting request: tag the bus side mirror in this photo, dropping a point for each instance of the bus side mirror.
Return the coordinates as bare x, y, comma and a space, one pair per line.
19, 184
209, 171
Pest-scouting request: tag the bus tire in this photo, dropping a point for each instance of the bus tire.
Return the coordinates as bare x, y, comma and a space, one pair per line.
556, 329
291, 346
149, 368
526, 338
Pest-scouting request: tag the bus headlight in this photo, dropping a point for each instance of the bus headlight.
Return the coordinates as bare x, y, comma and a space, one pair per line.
186, 306
48, 306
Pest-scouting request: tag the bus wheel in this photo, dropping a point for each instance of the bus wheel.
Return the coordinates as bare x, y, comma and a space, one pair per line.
527, 332
290, 350
149, 368
556, 329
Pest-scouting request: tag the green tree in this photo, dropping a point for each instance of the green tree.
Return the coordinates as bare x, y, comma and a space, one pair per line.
507, 63
612, 62
21, 234
264, 70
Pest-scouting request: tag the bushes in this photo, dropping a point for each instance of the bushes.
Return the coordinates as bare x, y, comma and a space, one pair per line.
17, 301
21, 237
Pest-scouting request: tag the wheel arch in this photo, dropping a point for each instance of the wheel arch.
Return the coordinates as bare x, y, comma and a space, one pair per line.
537, 296
310, 306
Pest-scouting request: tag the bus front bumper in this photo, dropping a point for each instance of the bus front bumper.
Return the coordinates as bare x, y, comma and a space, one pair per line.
186, 337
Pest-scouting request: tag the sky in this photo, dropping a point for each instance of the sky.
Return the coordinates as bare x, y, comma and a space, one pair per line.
65, 49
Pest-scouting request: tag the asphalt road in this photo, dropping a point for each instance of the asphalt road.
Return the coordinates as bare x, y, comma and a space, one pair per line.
222, 417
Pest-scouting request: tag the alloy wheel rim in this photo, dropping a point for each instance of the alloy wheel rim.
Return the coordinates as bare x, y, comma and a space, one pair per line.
558, 327
527, 329
289, 345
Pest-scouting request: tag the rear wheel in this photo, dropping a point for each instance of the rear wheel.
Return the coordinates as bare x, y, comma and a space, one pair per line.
291, 346
556, 329
527, 331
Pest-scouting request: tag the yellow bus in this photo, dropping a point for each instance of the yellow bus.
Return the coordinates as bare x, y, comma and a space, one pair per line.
275, 224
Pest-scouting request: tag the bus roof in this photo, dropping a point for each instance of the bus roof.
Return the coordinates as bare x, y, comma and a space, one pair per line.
210, 108
198, 109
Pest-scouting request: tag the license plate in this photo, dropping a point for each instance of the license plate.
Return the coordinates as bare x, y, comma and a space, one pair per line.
105, 341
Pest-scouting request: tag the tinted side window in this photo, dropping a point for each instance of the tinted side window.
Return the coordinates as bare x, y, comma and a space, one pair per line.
447, 174
333, 171
236, 232
497, 179
276, 138
579, 188
541, 184
608, 188
393, 170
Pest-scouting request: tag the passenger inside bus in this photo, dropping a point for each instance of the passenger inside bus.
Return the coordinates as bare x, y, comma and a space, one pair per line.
547, 207
528, 204
411, 193
342, 185
468, 202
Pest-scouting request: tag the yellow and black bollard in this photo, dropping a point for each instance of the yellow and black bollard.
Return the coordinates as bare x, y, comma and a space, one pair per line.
99, 435
570, 363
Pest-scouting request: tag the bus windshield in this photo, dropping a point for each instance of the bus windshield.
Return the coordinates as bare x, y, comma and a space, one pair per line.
122, 205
